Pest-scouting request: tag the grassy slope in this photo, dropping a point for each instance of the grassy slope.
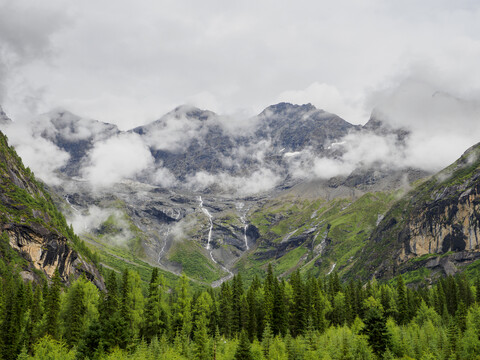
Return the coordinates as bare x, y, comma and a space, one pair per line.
344, 224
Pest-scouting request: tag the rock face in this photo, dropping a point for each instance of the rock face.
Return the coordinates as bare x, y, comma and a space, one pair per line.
47, 252
34, 227
447, 224
437, 218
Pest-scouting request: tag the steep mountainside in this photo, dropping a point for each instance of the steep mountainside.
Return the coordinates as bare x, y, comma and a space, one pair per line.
35, 228
232, 204
435, 228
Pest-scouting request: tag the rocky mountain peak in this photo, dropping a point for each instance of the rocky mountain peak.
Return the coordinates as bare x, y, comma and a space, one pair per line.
191, 112
285, 108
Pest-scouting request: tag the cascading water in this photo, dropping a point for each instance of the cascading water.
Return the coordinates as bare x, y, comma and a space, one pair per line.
230, 274
243, 219
69, 203
245, 226
206, 212
162, 250
76, 210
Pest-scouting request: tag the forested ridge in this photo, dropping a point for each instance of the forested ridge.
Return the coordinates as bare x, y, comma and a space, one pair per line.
298, 318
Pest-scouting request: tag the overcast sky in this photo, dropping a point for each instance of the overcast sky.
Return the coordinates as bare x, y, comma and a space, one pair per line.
129, 62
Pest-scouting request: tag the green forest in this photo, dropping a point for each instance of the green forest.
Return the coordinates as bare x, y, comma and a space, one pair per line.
298, 318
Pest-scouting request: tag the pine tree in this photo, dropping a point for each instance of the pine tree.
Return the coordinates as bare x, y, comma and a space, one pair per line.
267, 339
299, 310
376, 331
243, 351
268, 296
155, 315
280, 320
225, 321
113, 326
252, 314
76, 308
237, 310
52, 305
402, 301
201, 339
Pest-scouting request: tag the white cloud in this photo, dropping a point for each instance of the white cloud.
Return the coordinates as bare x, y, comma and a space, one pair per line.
163, 177
117, 158
174, 131
258, 181
92, 219
127, 63
41, 156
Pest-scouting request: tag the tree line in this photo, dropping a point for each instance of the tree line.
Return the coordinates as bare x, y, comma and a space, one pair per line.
298, 318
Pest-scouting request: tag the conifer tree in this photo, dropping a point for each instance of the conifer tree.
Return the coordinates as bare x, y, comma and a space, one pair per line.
299, 310
267, 339
225, 320
402, 301
52, 306
243, 351
280, 319
74, 317
155, 314
201, 339
376, 331
113, 325
237, 310
252, 313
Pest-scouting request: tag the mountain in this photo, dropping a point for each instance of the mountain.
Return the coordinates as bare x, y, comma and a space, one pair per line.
73, 134
433, 230
243, 193
35, 229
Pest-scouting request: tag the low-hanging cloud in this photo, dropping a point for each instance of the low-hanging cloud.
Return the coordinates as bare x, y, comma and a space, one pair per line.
256, 182
442, 125
41, 155
92, 219
174, 131
120, 157
70, 127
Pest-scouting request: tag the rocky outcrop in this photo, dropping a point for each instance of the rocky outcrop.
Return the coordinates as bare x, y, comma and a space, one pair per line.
34, 227
447, 224
439, 221
47, 252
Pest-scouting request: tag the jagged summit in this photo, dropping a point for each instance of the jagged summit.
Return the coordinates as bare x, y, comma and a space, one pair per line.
285, 108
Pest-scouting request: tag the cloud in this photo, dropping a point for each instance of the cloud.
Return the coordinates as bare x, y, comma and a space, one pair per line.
120, 157
91, 221
442, 124
42, 156
256, 182
174, 131
163, 177
70, 127
26, 42
126, 64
